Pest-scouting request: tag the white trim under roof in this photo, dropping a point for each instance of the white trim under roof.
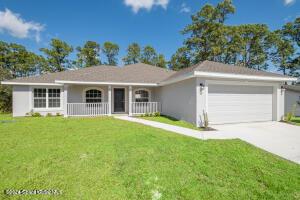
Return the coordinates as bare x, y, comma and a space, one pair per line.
240, 76
228, 76
104, 83
24, 83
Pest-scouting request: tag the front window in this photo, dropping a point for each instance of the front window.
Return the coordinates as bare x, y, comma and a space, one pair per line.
39, 97
43, 95
93, 96
141, 96
54, 98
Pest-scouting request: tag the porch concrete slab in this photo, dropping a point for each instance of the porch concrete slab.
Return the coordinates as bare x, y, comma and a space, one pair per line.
275, 137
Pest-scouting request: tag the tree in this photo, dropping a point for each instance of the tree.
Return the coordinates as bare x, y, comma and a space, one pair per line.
282, 55
181, 59
149, 55
88, 55
291, 32
256, 40
111, 51
133, 54
5, 92
223, 9
161, 61
16, 61
57, 55
233, 48
206, 32
287, 42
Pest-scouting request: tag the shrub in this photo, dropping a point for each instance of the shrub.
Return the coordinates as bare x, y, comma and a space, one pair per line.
205, 120
288, 116
58, 114
146, 114
49, 115
29, 113
36, 114
156, 114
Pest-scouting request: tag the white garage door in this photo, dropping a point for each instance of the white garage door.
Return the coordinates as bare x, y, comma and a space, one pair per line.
239, 103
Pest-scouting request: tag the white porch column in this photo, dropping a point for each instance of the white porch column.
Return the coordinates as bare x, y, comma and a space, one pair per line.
65, 98
130, 100
109, 100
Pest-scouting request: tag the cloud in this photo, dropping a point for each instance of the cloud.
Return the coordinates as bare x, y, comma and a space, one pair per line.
289, 2
17, 27
184, 8
136, 5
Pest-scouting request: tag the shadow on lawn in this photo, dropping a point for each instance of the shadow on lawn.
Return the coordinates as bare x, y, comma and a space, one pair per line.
170, 118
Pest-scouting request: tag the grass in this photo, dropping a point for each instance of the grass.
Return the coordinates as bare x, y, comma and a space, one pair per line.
296, 120
105, 158
172, 121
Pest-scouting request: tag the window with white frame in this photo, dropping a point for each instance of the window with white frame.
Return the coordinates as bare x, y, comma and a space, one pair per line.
39, 97
141, 96
43, 95
93, 96
53, 98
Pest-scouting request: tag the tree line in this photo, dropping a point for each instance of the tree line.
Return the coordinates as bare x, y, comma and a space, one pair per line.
207, 38
248, 45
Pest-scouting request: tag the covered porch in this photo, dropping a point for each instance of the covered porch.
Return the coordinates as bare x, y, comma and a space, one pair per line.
98, 100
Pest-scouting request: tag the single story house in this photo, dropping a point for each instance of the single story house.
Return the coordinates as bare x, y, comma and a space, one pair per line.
292, 99
227, 93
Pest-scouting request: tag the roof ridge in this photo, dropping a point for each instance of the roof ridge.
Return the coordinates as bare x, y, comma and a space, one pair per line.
149, 65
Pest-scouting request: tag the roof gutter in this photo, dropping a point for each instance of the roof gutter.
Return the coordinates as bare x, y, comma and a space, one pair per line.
104, 83
24, 83
244, 77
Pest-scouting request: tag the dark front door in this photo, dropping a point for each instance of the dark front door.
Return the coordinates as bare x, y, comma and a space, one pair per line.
119, 100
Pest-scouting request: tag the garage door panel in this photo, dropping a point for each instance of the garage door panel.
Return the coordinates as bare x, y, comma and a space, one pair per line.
240, 89
233, 104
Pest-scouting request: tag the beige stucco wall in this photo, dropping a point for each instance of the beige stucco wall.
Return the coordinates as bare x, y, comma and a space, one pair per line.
21, 100
76, 92
291, 98
179, 100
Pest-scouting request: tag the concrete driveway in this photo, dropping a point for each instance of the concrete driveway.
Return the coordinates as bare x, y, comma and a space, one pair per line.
278, 138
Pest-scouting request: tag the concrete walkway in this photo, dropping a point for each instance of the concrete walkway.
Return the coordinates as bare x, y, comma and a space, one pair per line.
168, 127
275, 137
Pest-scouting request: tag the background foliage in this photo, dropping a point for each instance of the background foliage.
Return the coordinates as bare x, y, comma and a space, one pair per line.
207, 38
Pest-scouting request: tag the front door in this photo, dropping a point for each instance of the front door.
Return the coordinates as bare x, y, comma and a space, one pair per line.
119, 100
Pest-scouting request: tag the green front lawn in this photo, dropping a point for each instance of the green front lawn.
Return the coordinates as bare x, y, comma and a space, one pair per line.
105, 158
296, 120
172, 121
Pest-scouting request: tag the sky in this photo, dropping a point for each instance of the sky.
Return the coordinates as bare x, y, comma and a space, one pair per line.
33, 23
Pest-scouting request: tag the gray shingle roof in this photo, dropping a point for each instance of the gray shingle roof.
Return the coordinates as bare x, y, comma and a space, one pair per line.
135, 73
139, 73
216, 67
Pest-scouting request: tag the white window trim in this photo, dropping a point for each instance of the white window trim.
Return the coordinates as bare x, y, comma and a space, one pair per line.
137, 89
47, 99
93, 88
